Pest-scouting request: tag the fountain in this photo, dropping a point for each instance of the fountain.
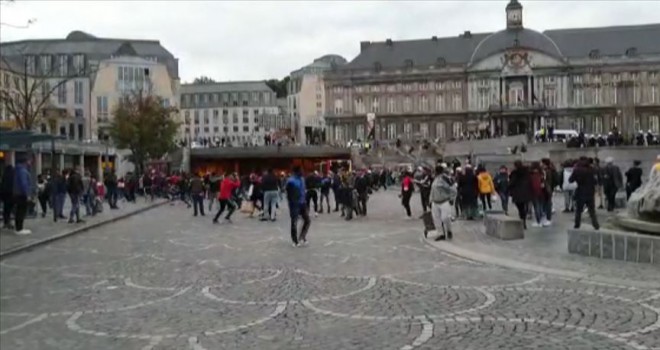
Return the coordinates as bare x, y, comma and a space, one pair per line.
643, 208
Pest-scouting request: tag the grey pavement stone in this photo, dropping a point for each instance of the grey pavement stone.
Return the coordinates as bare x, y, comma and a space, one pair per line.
166, 280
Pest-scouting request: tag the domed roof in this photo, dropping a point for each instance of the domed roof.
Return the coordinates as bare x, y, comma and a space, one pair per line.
78, 35
515, 38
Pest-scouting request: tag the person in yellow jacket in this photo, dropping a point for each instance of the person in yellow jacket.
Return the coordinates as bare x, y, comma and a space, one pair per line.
486, 187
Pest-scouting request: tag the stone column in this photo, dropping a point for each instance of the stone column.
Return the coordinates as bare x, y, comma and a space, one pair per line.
529, 90
38, 166
82, 163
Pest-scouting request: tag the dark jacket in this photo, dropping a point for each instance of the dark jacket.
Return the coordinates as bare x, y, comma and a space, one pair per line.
468, 186
22, 182
7, 184
586, 178
501, 181
520, 187
634, 177
75, 184
612, 177
269, 183
196, 185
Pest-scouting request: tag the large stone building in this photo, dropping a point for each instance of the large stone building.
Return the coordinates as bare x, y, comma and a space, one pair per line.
306, 98
89, 75
513, 81
232, 111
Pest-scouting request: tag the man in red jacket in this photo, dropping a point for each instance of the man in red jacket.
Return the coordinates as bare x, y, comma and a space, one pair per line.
227, 187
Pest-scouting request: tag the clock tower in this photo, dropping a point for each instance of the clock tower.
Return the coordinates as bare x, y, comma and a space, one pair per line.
514, 15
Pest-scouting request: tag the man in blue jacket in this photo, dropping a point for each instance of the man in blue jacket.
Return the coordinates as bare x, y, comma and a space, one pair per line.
22, 190
295, 192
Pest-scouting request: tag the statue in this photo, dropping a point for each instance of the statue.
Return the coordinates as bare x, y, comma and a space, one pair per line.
644, 203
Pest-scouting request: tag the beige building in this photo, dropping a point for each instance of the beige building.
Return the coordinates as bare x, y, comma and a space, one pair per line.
306, 99
72, 64
513, 81
125, 75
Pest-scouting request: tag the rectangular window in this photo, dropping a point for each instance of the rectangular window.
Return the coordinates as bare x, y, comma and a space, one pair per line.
30, 64
339, 106
46, 64
235, 128
234, 118
102, 107
391, 105
391, 131
61, 93
457, 102
423, 103
424, 130
63, 65
78, 64
375, 105
216, 129
440, 132
597, 126
196, 117
654, 124
407, 131
440, 102
407, 104
359, 129
359, 105
78, 112
78, 92
206, 116
457, 130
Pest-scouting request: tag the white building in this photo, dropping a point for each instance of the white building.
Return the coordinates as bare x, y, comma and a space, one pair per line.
306, 98
233, 111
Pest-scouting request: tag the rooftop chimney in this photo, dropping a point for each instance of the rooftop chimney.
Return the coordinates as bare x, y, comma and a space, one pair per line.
434, 38
364, 45
467, 34
388, 42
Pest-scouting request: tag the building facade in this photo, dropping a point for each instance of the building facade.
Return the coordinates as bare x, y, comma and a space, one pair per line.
306, 98
73, 67
513, 81
233, 111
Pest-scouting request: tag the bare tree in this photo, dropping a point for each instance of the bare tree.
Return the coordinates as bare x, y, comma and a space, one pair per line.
28, 98
28, 23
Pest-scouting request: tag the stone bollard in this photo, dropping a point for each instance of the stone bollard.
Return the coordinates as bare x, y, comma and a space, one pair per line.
504, 227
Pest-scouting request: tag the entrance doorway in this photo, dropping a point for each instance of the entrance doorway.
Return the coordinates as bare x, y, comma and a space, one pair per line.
516, 128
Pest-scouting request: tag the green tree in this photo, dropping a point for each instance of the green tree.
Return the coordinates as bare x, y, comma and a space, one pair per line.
279, 86
144, 125
203, 80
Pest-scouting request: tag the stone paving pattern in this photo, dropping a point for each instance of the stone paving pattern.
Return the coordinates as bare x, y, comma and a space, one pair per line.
548, 246
44, 227
166, 280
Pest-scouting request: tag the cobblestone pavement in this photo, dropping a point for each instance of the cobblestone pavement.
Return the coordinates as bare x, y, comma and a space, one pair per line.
167, 280
44, 227
547, 247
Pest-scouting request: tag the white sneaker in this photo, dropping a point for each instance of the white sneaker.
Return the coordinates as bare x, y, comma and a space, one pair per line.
295, 245
303, 243
316, 214
24, 232
547, 223
536, 224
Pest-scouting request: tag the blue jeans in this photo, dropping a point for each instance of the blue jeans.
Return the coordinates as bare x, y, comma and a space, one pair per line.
58, 204
75, 207
504, 199
271, 198
569, 201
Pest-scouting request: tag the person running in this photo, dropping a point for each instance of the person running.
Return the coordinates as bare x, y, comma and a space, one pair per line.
295, 192
501, 182
326, 184
228, 187
520, 190
486, 187
197, 193
443, 192
585, 177
406, 192
468, 187
271, 188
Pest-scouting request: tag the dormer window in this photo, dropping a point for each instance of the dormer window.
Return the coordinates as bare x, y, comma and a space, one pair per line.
631, 52
441, 62
408, 63
593, 54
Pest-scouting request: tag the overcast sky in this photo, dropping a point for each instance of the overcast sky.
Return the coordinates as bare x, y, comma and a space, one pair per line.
249, 40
